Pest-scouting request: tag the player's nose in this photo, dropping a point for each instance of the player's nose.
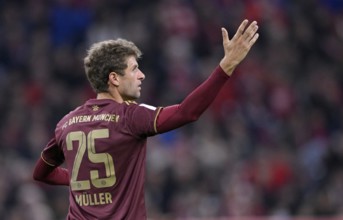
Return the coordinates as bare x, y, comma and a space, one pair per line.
141, 75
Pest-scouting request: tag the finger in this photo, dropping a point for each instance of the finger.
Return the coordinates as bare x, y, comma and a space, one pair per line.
240, 29
251, 30
225, 36
253, 40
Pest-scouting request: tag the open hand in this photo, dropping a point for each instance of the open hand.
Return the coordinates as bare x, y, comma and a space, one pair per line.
238, 47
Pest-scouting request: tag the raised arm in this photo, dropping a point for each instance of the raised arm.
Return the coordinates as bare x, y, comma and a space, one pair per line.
197, 102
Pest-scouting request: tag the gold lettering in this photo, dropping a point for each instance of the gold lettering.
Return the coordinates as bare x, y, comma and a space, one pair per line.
65, 125
102, 198
105, 117
85, 200
79, 119
76, 119
71, 121
114, 118
108, 197
90, 199
93, 199
78, 199
89, 118
85, 118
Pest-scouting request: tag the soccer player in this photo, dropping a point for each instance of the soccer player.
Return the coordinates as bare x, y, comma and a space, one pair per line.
103, 141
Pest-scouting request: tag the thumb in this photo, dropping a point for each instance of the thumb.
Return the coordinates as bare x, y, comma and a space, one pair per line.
225, 36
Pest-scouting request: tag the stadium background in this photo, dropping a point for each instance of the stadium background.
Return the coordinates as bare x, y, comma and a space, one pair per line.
270, 145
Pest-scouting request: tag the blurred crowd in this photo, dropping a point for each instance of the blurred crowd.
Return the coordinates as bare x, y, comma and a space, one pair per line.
270, 145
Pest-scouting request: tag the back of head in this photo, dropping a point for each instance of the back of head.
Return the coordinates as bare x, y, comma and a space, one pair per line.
105, 57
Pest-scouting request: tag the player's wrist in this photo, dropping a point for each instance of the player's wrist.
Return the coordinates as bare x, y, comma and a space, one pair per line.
228, 67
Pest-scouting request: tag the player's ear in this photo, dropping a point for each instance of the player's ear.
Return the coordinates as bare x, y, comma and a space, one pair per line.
113, 78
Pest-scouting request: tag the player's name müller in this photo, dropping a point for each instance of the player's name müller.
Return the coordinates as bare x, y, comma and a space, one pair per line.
94, 199
89, 118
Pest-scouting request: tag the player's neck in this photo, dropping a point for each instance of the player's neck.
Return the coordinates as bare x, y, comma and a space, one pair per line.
106, 95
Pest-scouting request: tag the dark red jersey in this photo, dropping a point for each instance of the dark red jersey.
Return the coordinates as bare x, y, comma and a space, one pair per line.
103, 144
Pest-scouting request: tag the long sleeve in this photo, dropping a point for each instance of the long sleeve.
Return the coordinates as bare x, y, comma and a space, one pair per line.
53, 175
191, 108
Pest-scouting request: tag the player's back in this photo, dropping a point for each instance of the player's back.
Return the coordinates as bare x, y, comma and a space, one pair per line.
104, 145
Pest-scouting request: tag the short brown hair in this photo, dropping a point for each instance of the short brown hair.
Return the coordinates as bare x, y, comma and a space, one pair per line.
105, 57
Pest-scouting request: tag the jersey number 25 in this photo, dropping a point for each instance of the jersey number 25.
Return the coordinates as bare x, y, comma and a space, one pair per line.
86, 142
